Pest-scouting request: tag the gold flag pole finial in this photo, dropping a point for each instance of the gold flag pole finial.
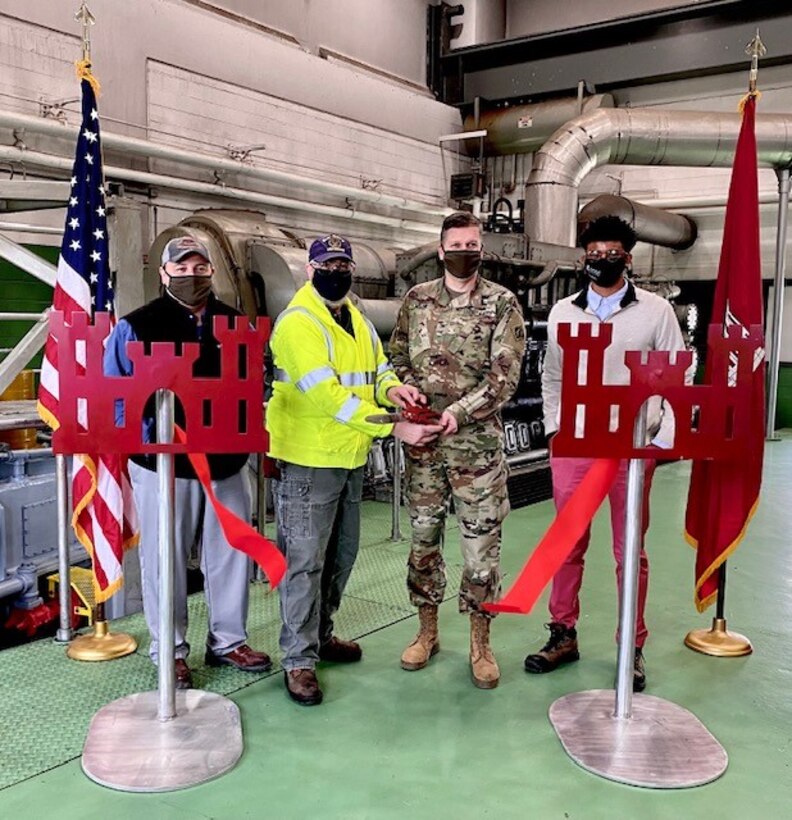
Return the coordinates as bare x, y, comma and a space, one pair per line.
84, 16
755, 49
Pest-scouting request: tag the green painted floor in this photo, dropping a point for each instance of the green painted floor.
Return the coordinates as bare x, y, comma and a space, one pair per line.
392, 744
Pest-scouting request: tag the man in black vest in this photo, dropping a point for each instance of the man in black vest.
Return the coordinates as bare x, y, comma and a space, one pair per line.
184, 313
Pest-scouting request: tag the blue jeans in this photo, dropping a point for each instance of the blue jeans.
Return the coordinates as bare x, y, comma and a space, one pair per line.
317, 510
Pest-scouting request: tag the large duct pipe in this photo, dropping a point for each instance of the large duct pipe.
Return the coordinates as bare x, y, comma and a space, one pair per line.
522, 129
652, 225
38, 159
153, 150
635, 136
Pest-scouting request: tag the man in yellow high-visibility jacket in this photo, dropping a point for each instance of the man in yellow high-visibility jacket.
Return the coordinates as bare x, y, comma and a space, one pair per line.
330, 373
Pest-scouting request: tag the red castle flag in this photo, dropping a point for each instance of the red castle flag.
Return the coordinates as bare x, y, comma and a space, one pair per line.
723, 495
104, 517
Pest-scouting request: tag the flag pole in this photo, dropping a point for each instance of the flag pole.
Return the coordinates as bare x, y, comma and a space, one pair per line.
65, 632
718, 641
102, 645
778, 302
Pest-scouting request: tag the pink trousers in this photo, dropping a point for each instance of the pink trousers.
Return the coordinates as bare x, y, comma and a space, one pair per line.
564, 600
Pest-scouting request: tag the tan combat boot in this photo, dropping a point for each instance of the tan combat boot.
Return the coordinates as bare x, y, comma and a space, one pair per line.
426, 642
483, 665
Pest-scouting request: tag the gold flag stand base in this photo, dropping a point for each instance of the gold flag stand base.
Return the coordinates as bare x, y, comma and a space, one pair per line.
718, 641
102, 645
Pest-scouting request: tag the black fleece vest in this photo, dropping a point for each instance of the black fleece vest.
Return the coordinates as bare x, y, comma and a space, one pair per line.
165, 320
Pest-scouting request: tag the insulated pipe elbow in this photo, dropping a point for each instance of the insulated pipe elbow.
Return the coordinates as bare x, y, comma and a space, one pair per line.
637, 137
653, 225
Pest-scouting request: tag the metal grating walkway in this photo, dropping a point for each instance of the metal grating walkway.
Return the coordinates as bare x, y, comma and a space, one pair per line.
47, 700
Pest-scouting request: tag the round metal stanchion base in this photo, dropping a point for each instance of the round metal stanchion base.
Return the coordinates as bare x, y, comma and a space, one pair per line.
662, 746
130, 749
718, 641
102, 645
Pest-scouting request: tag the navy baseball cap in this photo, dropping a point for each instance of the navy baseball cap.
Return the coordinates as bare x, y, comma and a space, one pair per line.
182, 247
330, 247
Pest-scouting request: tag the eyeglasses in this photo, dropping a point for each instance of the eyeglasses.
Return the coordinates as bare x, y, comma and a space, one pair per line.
337, 266
612, 255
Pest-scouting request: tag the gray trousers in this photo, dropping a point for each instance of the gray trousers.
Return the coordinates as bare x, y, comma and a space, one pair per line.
317, 510
226, 571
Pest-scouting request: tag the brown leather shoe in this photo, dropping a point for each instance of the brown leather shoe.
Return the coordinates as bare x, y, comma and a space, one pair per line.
303, 687
243, 657
183, 674
338, 651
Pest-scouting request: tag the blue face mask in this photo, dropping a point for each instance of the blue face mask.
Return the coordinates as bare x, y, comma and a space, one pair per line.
332, 285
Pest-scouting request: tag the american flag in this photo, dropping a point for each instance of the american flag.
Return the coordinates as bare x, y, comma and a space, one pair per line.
104, 514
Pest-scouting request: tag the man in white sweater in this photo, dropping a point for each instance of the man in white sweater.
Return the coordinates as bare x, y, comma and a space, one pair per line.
641, 321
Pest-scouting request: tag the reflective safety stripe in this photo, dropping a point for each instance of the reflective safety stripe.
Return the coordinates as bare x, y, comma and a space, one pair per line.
281, 375
313, 378
325, 331
383, 368
348, 409
357, 379
373, 333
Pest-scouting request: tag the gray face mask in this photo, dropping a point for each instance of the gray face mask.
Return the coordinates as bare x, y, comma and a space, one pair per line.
192, 291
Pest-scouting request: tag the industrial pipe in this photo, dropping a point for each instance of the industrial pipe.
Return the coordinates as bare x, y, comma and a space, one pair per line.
26, 227
522, 129
211, 189
153, 150
12, 586
635, 136
650, 224
382, 313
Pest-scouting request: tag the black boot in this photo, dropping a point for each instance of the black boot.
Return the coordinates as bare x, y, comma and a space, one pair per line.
561, 648
639, 671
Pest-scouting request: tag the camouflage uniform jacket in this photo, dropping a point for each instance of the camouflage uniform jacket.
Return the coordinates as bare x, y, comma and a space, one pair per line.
464, 352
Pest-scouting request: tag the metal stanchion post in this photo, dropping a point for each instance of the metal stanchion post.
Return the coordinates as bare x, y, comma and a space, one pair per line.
397, 490
639, 739
633, 535
163, 740
166, 479
64, 633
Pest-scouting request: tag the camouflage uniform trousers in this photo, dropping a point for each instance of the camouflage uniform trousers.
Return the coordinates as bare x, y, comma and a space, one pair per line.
476, 480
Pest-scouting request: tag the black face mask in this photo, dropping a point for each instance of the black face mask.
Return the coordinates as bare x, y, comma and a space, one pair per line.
332, 285
605, 272
462, 264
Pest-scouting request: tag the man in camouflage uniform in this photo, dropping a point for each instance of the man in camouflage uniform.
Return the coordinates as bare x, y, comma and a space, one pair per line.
460, 340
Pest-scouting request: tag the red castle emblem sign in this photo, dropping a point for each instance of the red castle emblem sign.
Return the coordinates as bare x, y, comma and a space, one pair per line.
222, 415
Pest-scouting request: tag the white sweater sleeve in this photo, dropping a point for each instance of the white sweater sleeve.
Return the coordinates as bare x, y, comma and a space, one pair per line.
668, 337
551, 376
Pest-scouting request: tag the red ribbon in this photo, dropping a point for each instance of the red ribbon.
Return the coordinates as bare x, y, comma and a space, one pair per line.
239, 534
569, 525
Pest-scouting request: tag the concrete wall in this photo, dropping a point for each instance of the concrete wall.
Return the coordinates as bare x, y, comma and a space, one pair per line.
388, 34
207, 75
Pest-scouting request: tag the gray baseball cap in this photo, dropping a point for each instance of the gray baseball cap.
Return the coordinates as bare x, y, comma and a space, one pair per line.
182, 247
